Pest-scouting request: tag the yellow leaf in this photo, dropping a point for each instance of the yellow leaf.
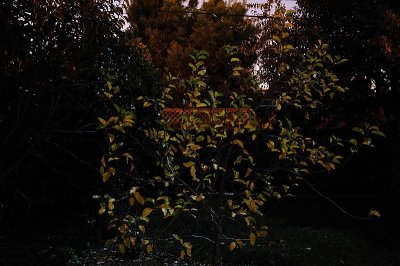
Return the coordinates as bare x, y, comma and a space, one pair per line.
123, 228
374, 213
142, 228
113, 119
182, 254
187, 245
111, 138
121, 248
146, 212
252, 186
102, 210
127, 155
248, 172
149, 248
133, 241
127, 242
128, 119
282, 156
112, 170
238, 142
232, 246
102, 121
252, 239
261, 233
106, 176
193, 172
131, 201
251, 159
146, 104
198, 197
189, 252
139, 198
109, 85
188, 164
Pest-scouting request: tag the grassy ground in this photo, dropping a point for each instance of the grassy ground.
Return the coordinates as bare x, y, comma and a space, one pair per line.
287, 244
325, 246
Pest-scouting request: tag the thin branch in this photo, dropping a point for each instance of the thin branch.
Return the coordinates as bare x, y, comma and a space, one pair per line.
334, 203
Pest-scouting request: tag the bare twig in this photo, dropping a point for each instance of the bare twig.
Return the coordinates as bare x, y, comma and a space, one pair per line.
334, 203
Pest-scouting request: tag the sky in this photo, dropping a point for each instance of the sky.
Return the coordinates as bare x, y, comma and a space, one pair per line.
290, 4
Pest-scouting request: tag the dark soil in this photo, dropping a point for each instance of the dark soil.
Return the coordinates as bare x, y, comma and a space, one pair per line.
79, 243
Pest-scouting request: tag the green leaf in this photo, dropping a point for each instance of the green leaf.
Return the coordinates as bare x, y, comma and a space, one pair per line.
205, 53
353, 141
359, 130
378, 133
109, 242
238, 69
340, 89
193, 67
201, 105
199, 138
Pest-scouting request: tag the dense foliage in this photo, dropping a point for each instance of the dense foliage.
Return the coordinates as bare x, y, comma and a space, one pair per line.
215, 168
172, 30
265, 105
54, 56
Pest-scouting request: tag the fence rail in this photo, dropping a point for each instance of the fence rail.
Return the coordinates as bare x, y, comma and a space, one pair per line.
212, 116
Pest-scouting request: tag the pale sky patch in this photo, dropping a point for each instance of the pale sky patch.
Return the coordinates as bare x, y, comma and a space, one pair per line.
290, 4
